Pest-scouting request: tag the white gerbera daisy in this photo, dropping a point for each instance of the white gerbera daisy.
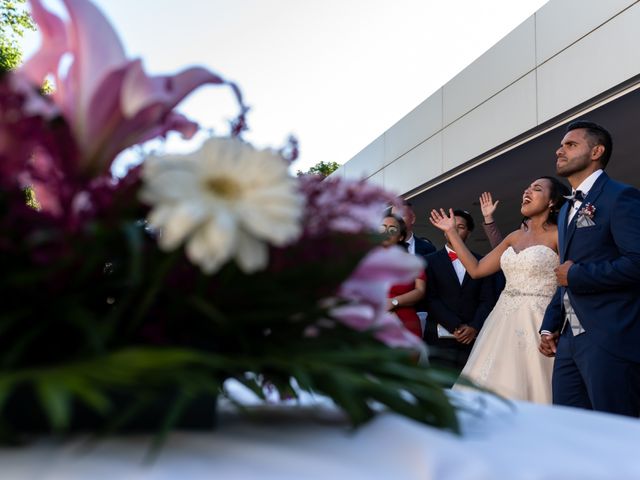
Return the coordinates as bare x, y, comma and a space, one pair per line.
223, 201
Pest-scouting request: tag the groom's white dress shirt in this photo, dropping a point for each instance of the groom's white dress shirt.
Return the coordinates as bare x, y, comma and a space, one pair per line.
411, 244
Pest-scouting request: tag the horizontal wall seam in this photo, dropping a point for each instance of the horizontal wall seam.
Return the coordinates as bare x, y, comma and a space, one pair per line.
548, 126
585, 35
535, 69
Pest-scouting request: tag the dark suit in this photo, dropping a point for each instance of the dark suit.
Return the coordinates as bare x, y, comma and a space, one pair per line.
423, 246
452, 304
600, 369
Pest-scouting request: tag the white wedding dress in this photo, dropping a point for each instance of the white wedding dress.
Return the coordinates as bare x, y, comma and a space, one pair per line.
505, 357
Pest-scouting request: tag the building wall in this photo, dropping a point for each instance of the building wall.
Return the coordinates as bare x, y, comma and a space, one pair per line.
565, 54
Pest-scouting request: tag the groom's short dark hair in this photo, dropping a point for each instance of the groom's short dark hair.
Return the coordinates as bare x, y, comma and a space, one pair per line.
598, 135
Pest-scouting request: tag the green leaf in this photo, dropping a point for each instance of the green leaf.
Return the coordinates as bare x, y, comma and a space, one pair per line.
173, 415
89, 394
152, 290
55, 401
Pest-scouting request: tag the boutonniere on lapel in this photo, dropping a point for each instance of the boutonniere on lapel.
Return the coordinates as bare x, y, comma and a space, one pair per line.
585, 215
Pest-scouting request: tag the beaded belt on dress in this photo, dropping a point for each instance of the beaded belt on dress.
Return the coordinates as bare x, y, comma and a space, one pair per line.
519, 293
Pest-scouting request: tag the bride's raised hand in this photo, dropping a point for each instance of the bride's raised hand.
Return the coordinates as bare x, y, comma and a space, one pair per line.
441, 220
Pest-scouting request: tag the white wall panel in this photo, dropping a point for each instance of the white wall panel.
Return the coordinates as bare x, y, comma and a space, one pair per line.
499, 119
368, 161
377, 179
603, 59
507, 61
339, 172
418, 125
562, 22
416, 167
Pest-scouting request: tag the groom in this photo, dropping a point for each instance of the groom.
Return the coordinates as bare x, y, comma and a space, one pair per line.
592, 325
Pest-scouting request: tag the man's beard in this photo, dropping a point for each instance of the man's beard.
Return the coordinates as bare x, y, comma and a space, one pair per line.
576, 165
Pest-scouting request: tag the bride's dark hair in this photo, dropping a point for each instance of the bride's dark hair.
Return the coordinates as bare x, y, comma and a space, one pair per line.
558, 191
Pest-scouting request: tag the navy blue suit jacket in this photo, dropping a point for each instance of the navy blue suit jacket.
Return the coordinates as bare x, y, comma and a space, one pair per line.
423, 246
604, 282
450, 303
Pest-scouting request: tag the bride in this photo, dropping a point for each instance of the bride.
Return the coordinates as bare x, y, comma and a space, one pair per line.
505, 356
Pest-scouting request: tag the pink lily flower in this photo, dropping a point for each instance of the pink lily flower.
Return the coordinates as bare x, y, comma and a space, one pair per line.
108, 100
366, 290
377, 272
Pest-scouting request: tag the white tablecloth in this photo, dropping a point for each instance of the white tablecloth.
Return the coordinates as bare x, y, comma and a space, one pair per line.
525, 441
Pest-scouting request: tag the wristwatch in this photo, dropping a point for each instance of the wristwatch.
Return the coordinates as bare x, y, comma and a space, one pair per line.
395, 302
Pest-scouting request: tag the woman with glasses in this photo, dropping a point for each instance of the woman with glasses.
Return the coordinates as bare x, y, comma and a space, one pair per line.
402, 298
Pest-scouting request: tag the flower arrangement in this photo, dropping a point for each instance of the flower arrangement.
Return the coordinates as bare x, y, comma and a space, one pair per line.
585, 215
190, 269
588, 210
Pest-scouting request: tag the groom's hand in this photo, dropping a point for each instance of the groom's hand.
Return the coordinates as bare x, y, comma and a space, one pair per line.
548, 342
562, 273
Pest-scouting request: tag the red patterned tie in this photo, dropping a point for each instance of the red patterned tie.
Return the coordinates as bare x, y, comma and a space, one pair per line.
453, 256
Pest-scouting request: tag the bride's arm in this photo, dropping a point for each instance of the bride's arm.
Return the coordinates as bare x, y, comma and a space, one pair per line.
484, 267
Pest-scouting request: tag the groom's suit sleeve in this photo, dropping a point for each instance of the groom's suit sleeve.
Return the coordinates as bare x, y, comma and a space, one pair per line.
553, 318
594, 277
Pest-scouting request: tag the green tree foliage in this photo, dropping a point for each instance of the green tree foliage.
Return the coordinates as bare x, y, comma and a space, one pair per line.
321, 168
14, 21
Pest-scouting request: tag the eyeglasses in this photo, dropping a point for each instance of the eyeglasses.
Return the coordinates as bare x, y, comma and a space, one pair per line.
389, 229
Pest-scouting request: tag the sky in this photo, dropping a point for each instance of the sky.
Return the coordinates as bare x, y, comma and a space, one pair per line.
334, 73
